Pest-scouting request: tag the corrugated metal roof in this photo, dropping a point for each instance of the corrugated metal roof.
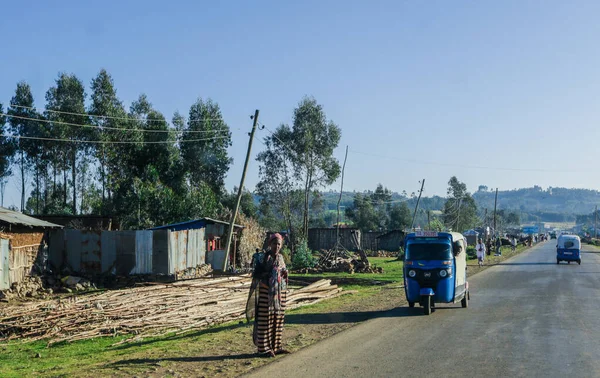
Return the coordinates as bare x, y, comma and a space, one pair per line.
14, 217
191, 222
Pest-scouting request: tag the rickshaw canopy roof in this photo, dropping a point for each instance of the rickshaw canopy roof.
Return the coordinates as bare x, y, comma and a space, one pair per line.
569, 242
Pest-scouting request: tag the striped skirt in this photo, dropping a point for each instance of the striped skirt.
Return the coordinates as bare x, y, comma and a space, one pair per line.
268, 326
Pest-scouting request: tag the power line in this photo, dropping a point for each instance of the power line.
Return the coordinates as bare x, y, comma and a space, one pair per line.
109, 142
470, 166
111, 128
113, 117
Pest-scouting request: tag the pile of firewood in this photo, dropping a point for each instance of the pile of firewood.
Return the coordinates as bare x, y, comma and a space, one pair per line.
343, 261
143, 312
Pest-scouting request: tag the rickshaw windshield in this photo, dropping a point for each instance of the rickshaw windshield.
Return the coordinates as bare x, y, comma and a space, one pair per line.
428, 251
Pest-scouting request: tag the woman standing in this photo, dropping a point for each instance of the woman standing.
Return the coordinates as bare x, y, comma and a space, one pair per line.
266, 301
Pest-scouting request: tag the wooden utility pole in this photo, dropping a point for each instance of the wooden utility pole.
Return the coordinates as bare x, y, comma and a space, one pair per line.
458, 215
417, 205
495, 204
428, 220
596, 223
239, 196
337, 236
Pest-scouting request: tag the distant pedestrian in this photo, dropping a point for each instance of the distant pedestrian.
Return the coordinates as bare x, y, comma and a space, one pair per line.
480, 248
488, 246
513, 244
498, 247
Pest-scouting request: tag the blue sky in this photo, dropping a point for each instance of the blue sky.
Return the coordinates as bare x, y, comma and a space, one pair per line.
500, 93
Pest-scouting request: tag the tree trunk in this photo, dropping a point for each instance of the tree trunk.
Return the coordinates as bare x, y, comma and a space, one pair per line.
74, 176
103, 180
22, 181
37, 185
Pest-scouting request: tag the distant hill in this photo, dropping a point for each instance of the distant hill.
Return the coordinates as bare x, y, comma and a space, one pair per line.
550, 205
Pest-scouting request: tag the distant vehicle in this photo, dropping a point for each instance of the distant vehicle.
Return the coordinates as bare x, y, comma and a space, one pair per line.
435, 269
553, 235
568, 248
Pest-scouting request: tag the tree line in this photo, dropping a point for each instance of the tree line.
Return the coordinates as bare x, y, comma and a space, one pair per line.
97, 157
83, 152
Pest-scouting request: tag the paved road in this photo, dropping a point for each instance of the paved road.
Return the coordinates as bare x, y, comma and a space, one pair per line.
527, 317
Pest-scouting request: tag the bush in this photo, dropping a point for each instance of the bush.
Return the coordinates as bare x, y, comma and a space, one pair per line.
471, 252
303, 257
401, 254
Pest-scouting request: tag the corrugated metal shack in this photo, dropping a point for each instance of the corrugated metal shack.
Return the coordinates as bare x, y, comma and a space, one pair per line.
23, 246
215, 237
325, 238
391, 240
368, 240
127, 252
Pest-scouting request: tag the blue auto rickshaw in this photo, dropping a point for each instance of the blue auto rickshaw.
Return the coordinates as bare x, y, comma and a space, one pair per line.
435, 269
568, 248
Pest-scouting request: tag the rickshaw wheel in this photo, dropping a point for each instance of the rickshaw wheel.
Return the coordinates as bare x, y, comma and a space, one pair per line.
579, 261
411, 304
569, 262
557, 261
464, 302
427, 305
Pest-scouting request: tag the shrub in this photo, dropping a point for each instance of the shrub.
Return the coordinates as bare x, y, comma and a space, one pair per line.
285, 251
303, 257
471, 252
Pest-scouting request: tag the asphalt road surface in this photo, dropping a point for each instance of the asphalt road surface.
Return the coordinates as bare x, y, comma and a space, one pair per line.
527, 317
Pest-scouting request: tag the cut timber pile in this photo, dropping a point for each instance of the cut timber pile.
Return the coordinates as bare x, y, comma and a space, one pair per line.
145, 311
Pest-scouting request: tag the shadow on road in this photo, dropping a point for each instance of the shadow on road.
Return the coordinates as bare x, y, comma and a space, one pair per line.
349, 317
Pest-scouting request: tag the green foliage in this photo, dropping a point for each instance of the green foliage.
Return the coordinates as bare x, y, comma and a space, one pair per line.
298, 160
460, 210
303, 257
471, 252
400, 217
287, 256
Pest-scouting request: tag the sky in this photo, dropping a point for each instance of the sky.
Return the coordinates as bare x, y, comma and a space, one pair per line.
497, 93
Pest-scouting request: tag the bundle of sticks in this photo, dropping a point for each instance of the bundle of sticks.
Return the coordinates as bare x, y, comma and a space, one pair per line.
142, 312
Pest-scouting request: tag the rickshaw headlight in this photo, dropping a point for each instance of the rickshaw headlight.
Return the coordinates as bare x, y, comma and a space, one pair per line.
443, 273
412, 273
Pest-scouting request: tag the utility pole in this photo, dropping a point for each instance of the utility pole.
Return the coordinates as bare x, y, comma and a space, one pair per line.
596, 223
458, 215
495, 204
417, 205
240, 191
429, 220
337, 237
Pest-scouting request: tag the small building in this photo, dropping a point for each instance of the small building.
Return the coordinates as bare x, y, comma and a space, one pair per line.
391, 240
326, 238
368, 240
471, 236
175, 250
215, 236
23, 246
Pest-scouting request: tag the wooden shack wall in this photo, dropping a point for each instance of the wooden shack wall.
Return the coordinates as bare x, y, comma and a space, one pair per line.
391, 241
368, 240
325, 238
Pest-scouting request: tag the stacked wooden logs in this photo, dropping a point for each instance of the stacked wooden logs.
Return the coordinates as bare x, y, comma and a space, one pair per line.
144, 311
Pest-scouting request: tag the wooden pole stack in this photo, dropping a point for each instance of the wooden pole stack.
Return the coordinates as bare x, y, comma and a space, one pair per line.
143, 312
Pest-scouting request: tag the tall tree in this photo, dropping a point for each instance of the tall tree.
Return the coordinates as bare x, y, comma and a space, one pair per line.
109, 115
311, 141
460, 210
7, 151
22, 120
363, 214
400, 216
206, 160
66, 107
